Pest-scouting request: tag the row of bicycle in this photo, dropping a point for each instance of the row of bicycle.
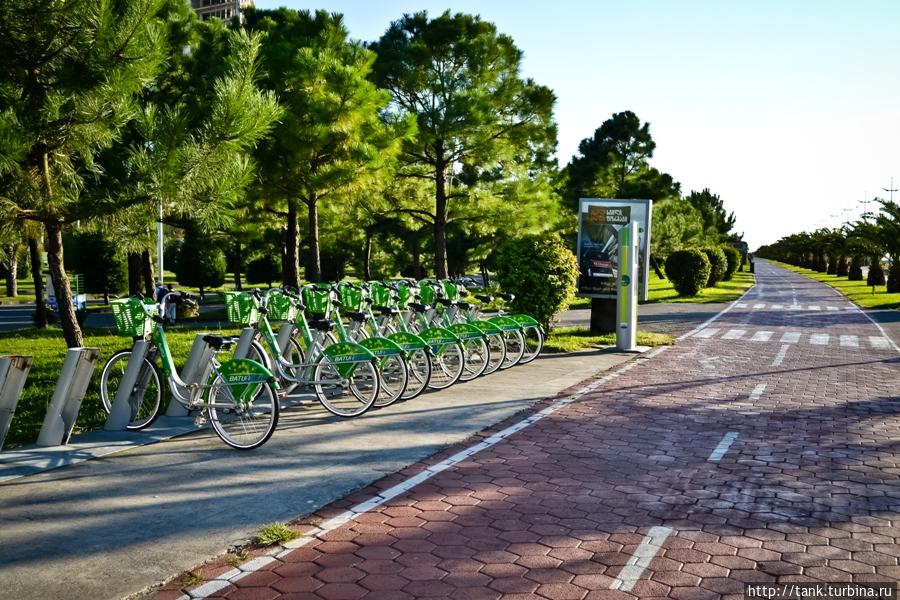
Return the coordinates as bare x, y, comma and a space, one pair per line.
354, 346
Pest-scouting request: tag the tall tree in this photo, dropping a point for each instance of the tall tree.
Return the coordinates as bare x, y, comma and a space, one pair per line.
70, 72
332, 138
460, 78
715, 218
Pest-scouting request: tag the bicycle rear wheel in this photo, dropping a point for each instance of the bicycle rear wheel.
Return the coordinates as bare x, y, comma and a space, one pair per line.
447, 366
534, 343
419, 366
394, 377
497, 349
242, 424
347, 395
146, 395
515, 346
477, 358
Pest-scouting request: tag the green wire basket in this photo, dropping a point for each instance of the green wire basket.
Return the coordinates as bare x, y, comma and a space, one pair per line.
240, 307
317, 301
280, 307
351, 298
380, 294
131, 319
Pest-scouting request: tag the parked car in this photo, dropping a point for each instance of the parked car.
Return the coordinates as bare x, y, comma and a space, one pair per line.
599, 264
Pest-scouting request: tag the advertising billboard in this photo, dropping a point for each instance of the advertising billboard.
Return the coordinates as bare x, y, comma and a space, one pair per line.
599, 223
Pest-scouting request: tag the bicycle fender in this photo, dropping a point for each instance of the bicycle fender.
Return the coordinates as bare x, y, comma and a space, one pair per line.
504, 323
244, 376
466, 331
486, 327
525, 320
381, 346
347, 352
438, 336
408, 341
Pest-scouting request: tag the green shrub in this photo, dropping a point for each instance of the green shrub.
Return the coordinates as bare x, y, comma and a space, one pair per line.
541, 271
733, 259
265, 269
717, 265
876, 273
842, 266
688, 270
855, 272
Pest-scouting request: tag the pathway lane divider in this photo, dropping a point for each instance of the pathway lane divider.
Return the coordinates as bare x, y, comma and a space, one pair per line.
640, 560
723, 446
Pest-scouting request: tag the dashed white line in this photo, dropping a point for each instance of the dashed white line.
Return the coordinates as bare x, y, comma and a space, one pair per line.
640, 560
706, 333
815, 307
757, 391
723, 446
833, 308
819, 339
881, 343
779, 358
761, 336
849, 341
758, 306
777, 306
734, 334
790, 337
741, 305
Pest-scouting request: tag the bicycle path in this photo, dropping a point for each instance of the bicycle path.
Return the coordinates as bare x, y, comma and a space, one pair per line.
762, 448
110, 527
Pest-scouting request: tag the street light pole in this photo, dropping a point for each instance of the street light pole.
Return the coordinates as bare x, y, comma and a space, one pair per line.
159, 243
891, 189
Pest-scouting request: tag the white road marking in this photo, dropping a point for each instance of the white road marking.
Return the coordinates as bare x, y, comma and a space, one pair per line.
794, 306
712, 319
741, 305
761, 336
777, 307
734, 334
882, 343
815, 307
790, 337
757, 391
881, 329
779, 358
819, 339
758, 306
706, 333
833, 308
849, 341
640, 560
723, 446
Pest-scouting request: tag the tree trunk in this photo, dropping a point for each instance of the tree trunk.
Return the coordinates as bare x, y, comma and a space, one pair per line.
367, 257
440, 213
134, 273
40, 309
655, 264
315, 264
12, 265
147, 272
417, 260
291, 245
237, 267
67, 319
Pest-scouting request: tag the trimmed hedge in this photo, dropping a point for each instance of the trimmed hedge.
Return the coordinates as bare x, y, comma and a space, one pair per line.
688, 270
718, 265
733, 258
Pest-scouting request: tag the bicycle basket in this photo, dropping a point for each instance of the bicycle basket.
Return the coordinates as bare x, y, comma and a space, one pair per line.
428, 293
280, 307
317, 302
240, 307
351, 298
130, 318
404, 295
380, 294
451, 290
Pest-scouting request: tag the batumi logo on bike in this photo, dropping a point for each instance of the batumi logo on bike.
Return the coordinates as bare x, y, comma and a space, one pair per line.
245, 378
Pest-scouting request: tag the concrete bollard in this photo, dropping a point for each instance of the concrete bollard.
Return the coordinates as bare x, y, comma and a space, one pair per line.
195, 370
120, 414
284, 338
66, 402
243, 346
13, 372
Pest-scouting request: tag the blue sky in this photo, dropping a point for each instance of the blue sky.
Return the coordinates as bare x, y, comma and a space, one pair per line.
787, 110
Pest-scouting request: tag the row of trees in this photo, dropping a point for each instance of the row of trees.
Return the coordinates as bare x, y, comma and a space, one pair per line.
282, 142
844, 251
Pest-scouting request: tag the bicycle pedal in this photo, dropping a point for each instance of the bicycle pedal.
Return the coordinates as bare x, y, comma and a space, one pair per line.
199, 420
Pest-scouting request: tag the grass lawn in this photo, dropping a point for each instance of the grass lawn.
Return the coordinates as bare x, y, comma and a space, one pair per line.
662, 290
857, 291
49, 351
570, 339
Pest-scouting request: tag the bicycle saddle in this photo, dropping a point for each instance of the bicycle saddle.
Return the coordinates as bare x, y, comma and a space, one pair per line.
484, 298
217, 342
418, 307
355, 316
445, 301
321, 324
464, 305
508, 297
386, 311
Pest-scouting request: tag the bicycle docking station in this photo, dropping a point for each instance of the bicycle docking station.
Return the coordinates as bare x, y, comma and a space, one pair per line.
242, 350
66, 402
626, 294
13, 373
195, 371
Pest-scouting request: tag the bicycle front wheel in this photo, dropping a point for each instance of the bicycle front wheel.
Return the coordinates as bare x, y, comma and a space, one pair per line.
477, 358
242, 422
146, 394
515, 346
347, 389
447, 366
419, 366
534, 343
497, 352
394, 376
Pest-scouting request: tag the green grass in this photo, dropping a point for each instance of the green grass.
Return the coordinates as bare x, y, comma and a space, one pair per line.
572, 339
662, 290
857, 291
49, 351
275, 533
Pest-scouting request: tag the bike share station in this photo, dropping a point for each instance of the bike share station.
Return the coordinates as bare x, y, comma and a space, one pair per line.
613, 259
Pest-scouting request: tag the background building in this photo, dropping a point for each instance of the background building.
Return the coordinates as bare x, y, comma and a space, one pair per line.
221, 9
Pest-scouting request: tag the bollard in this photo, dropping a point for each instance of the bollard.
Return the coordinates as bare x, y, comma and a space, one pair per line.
66, 402
243, 346
195, 370
284, 338
13, 372
120, 414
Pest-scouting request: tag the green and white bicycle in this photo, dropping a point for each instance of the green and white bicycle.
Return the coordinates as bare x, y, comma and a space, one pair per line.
238, 397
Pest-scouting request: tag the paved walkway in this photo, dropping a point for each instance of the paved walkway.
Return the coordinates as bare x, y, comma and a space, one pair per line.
723, 460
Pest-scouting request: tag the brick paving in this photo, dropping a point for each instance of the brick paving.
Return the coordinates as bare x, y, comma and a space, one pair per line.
806, 492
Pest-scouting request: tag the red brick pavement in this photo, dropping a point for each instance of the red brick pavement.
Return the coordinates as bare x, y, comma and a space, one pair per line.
807, 492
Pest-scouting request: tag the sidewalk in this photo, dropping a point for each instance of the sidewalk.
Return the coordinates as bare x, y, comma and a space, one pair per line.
110, 527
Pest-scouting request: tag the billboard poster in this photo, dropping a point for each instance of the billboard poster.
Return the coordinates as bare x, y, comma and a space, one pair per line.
599, 223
